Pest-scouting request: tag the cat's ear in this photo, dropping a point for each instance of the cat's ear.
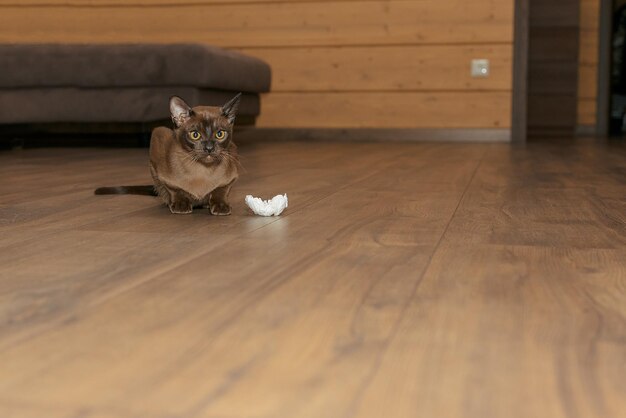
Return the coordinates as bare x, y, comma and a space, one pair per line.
179, 110
230, 108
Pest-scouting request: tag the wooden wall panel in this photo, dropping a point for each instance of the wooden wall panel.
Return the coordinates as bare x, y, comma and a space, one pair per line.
404, 63
376, 109
396, 68
587, 80
586, 112
268, 24
588, 62
123, 3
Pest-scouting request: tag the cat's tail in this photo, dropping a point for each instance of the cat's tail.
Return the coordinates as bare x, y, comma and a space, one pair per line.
141, 190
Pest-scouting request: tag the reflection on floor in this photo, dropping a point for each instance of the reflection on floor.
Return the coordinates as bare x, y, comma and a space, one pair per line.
404, 280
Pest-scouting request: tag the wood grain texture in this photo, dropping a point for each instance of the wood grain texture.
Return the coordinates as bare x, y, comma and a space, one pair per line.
270, 24
375, 109
588, 79
449, 280
386, 68
588, 61
352, 46
170, 3
586, 111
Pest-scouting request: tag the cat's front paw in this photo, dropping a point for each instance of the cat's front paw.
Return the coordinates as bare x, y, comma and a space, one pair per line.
181, 208
219, 208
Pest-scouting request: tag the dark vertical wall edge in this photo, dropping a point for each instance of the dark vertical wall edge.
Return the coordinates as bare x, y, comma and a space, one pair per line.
604, 63
519, 118
553, 49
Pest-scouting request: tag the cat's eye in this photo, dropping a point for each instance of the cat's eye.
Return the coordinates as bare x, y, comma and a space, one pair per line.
221, 134
195, 135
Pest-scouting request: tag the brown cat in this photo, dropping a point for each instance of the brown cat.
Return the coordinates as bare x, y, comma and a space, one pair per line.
195, 164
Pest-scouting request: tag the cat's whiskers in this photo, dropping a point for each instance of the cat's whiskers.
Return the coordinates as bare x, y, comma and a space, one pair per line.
233, 159
189, 157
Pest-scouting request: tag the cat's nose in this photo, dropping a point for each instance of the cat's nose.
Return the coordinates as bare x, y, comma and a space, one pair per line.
208, 147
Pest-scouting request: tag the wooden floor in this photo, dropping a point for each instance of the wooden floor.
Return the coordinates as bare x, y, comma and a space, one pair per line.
404, 280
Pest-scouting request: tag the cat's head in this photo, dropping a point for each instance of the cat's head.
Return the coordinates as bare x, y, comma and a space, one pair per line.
205, 131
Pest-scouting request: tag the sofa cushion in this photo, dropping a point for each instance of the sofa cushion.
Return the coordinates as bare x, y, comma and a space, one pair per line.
132, 104
130, 65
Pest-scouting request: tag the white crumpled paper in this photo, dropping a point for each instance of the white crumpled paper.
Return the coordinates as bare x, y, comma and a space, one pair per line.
273, 207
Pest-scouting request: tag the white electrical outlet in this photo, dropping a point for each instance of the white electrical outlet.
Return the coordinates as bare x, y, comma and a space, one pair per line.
480, 68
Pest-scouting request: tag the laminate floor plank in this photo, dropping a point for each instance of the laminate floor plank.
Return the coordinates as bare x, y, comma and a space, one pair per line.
225, 335
117, 245
501, 330
426, 279
524, 301
282, 260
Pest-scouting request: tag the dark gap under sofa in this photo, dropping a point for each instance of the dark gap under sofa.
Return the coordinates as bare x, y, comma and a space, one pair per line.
119, 87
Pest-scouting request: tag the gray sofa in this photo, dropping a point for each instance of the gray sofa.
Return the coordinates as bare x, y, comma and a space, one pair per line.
122, 83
